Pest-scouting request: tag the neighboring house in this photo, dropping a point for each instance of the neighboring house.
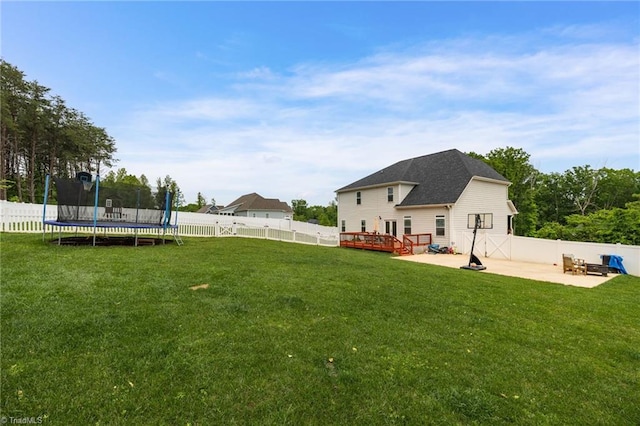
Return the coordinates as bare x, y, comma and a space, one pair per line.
254, 205
438, 194
209, 209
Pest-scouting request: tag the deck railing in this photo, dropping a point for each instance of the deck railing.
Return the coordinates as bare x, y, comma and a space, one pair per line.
369, 241
384, 242
416, 240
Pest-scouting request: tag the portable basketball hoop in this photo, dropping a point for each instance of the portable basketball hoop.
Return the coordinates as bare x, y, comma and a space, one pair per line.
86, 179
474, 263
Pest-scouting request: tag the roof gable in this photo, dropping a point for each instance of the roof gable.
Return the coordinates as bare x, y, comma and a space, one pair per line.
439, 178
254, 201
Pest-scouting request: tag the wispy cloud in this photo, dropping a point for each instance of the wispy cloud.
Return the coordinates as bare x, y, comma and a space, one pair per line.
321, 126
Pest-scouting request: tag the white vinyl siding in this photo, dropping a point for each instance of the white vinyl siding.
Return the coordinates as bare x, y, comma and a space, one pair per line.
261, 214
479, 196
373, 205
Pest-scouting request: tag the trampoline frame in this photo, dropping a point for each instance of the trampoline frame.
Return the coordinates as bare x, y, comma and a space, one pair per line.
96, 224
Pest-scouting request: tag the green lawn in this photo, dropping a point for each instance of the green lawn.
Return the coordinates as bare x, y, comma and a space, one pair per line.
294, 334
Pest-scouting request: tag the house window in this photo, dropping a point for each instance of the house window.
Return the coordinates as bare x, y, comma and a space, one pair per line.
407, 225
358, 198
343, 226
363, 225
390, 194
485, 220
267, 215
440, 226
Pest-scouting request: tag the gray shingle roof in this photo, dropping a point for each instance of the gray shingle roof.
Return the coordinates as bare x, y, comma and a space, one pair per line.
255, 201
440, 178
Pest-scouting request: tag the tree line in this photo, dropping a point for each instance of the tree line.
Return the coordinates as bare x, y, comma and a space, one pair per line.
322, 215
40, 135
149, 197
580, 204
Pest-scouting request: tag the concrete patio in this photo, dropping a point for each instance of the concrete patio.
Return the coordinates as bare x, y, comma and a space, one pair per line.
532, 271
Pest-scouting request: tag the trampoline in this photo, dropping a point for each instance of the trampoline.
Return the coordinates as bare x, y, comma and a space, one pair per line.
88, 206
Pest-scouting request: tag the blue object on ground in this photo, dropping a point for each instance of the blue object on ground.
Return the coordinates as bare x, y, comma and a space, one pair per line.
615, 261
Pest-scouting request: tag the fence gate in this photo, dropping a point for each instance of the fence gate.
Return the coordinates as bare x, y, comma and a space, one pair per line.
480, 247
496, 246
225, 230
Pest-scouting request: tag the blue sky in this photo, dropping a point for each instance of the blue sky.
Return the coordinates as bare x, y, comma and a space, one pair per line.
297, 99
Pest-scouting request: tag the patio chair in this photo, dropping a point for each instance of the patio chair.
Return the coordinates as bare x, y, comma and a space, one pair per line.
571, 263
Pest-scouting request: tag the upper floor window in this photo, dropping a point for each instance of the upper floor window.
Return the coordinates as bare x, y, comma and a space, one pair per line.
390, 194
358, 198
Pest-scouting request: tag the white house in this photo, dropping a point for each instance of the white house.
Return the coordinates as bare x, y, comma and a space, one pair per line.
439, 194
254, 205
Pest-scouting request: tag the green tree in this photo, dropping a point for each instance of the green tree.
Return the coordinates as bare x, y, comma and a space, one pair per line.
551, 199
616, 225
616, 188
201, 201
127, 189
161, 190
513, 164
40, 135
299, 208
324, 215
13, 96
581, 188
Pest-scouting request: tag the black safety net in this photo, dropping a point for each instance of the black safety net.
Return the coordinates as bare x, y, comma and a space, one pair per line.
118, 203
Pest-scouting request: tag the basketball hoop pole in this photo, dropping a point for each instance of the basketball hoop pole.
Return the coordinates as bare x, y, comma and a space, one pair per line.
474, 263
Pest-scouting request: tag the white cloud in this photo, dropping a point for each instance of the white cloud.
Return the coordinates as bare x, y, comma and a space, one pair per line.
258, 73
326, 125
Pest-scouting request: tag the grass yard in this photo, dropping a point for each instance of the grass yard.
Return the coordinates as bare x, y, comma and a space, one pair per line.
294, 334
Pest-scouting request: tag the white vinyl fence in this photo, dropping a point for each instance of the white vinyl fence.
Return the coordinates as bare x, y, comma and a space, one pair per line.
537, 250
22, 217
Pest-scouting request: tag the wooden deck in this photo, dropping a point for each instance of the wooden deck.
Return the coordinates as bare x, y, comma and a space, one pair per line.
384, 242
